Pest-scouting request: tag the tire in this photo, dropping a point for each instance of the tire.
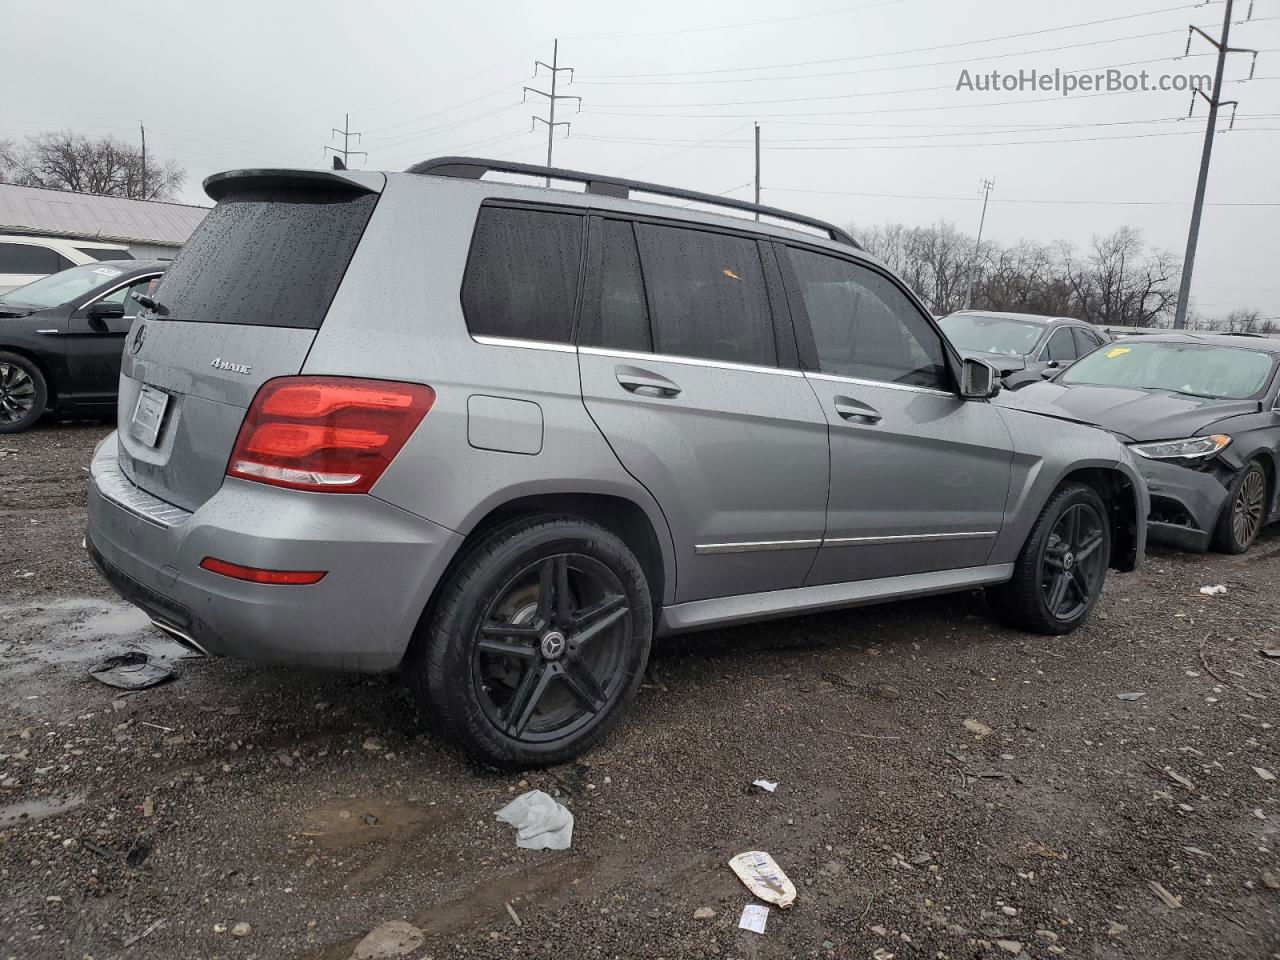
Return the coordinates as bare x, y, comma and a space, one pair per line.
23, 393
1060, 572
1245, 510
536, 643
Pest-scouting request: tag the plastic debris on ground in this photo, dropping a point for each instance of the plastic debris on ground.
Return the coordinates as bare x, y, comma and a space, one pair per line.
767, 785
1213, 591
543, 824
134, 670
754, 917
764, 878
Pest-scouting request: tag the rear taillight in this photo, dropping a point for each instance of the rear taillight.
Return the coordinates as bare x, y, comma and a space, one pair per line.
334, 434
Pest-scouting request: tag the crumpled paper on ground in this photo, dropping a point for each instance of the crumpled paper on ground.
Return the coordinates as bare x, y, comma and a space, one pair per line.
543, 824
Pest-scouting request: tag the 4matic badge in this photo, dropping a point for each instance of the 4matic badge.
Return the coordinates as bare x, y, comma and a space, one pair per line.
219, 364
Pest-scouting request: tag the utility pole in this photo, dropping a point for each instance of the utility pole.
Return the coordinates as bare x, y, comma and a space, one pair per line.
346, 151
144, 161
757, 169
973, 267
1193, 234
555, 69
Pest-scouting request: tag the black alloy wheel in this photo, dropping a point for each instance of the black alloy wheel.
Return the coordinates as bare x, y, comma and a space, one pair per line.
549, 648
1071, 567
536, 642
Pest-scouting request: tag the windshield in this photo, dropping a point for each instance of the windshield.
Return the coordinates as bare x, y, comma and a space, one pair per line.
1198, 369
984, 334
61, 287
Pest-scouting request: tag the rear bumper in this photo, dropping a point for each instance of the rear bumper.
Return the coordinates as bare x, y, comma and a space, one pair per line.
381, 563
1185, 504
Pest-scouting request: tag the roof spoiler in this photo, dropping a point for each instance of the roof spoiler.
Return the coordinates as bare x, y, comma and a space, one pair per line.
219, 185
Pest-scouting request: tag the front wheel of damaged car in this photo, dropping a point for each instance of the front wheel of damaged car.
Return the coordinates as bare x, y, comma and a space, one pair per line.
537, 642
1245, 510
1060, 572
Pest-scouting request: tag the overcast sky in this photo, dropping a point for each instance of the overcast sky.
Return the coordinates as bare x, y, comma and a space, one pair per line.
861, 119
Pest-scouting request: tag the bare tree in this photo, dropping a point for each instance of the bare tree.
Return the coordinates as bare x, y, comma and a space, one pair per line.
72, 161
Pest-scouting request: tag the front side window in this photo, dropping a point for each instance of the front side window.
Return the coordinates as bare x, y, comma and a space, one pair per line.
1198, 370
864, 326
614, 312
522, 275
708, 295
1060, 346
124, 296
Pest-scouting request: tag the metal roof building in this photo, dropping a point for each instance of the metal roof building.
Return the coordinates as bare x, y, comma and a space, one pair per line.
150, 228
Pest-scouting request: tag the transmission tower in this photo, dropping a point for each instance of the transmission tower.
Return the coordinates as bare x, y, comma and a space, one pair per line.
555, 70
1215, 101
346, 133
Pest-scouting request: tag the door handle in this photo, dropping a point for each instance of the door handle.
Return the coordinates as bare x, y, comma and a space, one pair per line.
851, 409
645, 383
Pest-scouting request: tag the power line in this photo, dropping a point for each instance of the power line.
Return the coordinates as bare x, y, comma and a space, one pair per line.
1026, 200
896, 53
453, 83
736, 25
947, 146
905, 66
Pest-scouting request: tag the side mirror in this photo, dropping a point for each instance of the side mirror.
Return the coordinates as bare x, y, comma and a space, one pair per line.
1053, 364
978, 380
103, 310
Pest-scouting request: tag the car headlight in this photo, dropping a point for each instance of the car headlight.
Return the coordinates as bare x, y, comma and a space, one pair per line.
1193, 448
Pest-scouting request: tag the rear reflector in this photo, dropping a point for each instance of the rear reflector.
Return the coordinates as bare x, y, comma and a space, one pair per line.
257, 575
331, 434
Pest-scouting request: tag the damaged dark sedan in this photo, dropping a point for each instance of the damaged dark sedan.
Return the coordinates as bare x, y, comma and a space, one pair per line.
1202, 413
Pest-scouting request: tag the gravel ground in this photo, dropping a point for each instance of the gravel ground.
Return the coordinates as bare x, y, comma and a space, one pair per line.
313, 808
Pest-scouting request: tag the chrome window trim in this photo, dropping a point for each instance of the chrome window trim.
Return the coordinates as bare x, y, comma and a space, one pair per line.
550, 345
836, 378
752, 546
687, 361
909, 538
126, 283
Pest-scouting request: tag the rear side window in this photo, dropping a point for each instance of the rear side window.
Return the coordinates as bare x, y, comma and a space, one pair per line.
708, 295
522, 275
614, 312
1086, 340
30, 258
1060, 346
864, 326
267, 257
98, 254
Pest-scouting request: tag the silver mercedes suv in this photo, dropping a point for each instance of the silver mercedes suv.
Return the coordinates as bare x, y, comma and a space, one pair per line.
501, 434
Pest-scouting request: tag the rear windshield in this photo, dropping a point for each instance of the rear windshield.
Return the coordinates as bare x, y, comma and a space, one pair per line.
983, 334
267, 258
1198, 370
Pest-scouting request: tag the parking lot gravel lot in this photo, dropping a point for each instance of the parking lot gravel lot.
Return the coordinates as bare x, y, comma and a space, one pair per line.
947, 787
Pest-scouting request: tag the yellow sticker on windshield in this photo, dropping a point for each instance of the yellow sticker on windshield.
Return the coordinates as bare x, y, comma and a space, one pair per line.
1116, 351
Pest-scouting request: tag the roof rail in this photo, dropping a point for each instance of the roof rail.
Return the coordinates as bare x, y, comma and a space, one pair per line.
473, 168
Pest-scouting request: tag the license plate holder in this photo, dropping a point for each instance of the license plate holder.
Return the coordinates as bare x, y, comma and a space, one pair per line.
148, 415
